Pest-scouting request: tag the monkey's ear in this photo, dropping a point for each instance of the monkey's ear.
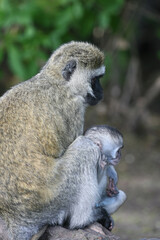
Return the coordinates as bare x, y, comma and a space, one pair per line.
69, 69
98, 143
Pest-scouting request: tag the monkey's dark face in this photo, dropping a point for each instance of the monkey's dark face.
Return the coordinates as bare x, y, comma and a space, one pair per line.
86, 81
97, 92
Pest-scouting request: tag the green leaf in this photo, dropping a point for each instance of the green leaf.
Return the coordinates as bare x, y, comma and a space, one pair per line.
77, 10
104, 20
15, 61
1, 53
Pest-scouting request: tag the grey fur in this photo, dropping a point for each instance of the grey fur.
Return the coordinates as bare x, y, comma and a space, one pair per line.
110, 141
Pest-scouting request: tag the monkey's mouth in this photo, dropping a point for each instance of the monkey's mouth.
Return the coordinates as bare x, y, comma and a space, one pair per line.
116, 160
109, 161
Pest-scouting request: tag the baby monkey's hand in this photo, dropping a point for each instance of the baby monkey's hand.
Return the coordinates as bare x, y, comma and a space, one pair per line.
111, 190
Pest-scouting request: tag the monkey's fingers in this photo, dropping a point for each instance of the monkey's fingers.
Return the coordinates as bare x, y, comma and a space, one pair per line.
111, 184
109, 223
111, 226
115, 191
109, 193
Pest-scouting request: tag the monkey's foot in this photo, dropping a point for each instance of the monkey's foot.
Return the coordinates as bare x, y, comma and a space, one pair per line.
110, 227
107, 221
109, 224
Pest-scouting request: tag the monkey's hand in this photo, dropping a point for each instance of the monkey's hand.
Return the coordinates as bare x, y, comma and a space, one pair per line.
112, 190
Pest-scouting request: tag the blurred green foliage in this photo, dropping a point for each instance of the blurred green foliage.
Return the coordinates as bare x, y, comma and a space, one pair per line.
30, 30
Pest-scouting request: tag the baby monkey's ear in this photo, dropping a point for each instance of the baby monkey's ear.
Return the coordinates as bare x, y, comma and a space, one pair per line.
98, 143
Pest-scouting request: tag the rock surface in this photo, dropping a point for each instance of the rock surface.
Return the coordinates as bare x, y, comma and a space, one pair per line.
94, 232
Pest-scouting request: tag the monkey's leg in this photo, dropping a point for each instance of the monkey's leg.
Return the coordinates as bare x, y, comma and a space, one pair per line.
111, 204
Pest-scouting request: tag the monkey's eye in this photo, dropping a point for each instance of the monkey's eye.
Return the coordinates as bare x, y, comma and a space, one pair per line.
118, 154
97, 78
100, 76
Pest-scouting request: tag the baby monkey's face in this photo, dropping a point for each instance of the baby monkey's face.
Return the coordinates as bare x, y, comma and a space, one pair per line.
111, 149
110, 142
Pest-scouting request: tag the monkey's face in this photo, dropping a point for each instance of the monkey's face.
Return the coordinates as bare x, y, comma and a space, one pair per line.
112, 151
97, 91
110, 146
114, 159
84, 82
110, 158
78, 66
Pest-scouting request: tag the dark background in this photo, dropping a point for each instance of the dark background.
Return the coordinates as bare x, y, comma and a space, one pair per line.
129, 34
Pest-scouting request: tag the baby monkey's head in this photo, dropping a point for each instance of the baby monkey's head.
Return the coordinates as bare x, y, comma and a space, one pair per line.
110, 141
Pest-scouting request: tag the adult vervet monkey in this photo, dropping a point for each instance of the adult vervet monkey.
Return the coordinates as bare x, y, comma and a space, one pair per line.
39, 119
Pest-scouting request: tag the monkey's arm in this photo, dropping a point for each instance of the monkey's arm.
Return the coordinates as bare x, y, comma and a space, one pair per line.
81, 189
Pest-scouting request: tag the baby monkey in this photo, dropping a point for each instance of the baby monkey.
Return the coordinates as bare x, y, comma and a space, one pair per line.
110, 141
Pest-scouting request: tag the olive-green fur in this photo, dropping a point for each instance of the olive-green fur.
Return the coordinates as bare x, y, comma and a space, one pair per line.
39, 119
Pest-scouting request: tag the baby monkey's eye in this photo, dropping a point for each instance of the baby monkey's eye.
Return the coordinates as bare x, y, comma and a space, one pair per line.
118, 154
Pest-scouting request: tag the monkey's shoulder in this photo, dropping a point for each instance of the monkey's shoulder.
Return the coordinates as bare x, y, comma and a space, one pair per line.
84, 146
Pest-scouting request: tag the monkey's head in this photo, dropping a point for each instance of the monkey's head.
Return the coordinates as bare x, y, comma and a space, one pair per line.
79, 67
110, 141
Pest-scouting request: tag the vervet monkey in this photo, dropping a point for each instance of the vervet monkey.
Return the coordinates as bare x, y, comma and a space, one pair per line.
39, 119
110, 141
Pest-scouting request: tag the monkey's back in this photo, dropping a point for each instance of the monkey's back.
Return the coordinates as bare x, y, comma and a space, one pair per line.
29, 126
